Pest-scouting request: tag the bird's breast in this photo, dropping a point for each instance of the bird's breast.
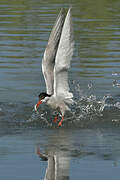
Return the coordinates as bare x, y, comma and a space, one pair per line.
52, 103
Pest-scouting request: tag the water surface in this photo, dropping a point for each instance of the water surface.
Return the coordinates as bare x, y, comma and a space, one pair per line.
87, 146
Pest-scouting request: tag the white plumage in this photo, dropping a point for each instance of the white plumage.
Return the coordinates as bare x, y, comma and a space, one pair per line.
56, 63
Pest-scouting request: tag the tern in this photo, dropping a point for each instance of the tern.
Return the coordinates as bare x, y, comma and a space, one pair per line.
55, 65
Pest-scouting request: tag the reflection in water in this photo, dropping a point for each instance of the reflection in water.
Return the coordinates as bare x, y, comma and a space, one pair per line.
58, 165
57, 152
71, 154
81, 152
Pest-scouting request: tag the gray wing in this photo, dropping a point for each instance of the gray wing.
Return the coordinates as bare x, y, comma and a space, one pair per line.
48, 60
63, 58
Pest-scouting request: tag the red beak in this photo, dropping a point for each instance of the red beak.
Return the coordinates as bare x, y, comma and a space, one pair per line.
39, 102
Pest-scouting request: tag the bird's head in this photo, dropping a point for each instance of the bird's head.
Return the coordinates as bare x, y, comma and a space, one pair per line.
42, 96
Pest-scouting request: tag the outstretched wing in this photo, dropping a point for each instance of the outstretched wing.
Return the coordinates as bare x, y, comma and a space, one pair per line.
63, 58
48, 60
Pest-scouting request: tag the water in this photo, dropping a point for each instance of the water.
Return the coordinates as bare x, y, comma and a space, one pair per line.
87, 146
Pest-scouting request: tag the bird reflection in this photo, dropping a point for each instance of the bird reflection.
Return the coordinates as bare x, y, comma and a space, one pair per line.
58, 165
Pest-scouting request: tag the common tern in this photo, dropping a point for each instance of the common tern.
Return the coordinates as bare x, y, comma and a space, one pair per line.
55, 65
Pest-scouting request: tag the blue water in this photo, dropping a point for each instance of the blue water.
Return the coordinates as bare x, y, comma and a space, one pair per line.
87, 145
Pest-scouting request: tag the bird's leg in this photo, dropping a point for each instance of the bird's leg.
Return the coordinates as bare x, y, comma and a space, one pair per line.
55, 119
60, 123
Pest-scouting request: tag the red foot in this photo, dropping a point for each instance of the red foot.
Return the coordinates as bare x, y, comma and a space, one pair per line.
60, 123
55, 119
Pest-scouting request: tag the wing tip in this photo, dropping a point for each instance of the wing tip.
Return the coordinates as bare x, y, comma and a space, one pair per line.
70, 9
62, 10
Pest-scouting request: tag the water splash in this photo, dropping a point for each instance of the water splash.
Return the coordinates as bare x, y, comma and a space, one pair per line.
87, 111
116, 83
93, 111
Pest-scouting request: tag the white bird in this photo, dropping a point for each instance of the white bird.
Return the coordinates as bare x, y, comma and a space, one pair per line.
55, 65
